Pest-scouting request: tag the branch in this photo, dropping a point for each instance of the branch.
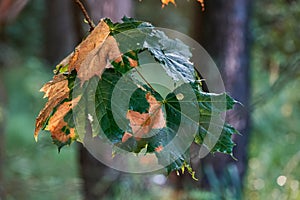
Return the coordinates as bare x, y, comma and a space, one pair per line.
145, 80
86, 15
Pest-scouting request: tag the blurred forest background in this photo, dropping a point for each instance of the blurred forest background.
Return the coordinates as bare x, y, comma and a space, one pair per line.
32, 41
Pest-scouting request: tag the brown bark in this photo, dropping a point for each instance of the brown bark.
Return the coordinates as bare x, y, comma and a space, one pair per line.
60, 31
5, 7
63, 31
223, 30
2, 135
113, 9
9, 9
226, 38
97, 177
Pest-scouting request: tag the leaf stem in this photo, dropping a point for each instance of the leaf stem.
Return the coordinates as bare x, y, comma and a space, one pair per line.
145, 80
86, 15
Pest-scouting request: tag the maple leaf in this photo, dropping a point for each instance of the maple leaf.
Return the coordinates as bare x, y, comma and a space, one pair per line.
166, 2
126, 136
91, 57
159, 148
57, 124
56, 90
99, 63
202, 4
92, 54
143, 123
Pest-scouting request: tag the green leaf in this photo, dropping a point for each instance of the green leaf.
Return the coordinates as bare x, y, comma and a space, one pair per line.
186, 114
103, 105
176, 63
128, 24
212, 126
225, 143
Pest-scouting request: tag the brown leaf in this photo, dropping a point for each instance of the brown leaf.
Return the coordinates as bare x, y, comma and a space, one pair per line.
133, 63
56, 122
92, 55
202, 4
155, 112
142, 123
9, 9
126, 136
139, 122
90, 58
166, 2
56, 90
159, 148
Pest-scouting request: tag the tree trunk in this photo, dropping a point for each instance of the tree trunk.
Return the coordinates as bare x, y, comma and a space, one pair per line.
63, 32
2, 134
113, 9
97, 177
60, 30
226, 38
223, 30
8, 11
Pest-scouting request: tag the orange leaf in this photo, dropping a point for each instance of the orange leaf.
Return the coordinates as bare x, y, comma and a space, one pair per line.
56, 122
166, 2
133, 63
155, 112
202, 4
159, 148
126, 136
56, 91
91, 56
142, 123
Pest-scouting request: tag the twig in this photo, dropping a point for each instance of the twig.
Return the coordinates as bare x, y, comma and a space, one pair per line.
86, 15
145, 80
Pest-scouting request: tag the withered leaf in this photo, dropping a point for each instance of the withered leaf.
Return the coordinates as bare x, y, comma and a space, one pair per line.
56, 122
155, 112
126, 136
166, 2
56, 91
92, 55
159, 148
142, 123
89, 62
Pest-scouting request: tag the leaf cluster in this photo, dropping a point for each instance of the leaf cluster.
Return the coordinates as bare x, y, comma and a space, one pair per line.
81, 97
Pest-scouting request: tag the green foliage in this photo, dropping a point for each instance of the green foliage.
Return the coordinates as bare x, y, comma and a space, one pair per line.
274, 148
30, 170
148, 113
25, 23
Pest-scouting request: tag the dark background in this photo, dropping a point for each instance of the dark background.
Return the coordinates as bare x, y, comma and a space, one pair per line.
260, 41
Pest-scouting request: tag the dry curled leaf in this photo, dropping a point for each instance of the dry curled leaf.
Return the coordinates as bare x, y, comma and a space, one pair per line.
10, 9
202, 4
126, 136
57, 123
100, 50
91, 57
166, 2
159, 148
142, 123
56, 91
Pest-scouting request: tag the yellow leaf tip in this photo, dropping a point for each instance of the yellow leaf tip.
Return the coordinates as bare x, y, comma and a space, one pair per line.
36, 138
